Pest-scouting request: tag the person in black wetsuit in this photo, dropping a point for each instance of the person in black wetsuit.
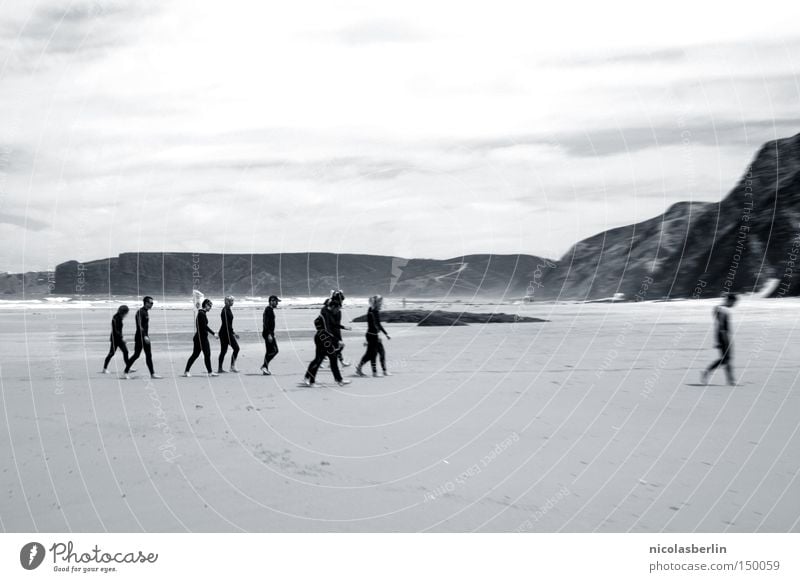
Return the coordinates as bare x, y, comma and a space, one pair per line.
117, 340
338, 327
339, 296
201, 340
268, 333
327, 345
374, 345
142, 339
227, 336
724, 342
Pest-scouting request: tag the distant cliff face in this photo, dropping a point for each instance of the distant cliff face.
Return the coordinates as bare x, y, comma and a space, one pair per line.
26, 284
699, 249
299, 274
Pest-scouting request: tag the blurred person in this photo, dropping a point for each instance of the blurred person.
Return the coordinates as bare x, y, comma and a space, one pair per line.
722, 323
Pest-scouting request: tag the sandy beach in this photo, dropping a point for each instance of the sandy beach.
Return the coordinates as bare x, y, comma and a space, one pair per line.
593, 421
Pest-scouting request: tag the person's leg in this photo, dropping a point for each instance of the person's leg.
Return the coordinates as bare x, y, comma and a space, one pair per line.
367, 355
124, 349
714, 365
728, 361
111, 355
148, 357
272, 351
267, 357
196, 349
328, 343
729, 374
137, 351
319, 355
223, 349
206, 346
373, 358
382, 355
334, 360
235, 354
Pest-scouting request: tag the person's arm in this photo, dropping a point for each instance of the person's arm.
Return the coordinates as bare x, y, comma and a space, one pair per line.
233, 333
143, 324
379, 325
329, 325
340, 323
722, 325
208, 327
723, 322
116, 327
229, 322
271, 327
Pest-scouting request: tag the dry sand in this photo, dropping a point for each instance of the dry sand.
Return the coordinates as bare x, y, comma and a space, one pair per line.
592, 422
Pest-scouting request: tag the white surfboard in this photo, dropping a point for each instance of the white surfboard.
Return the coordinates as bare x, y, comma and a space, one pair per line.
197, 300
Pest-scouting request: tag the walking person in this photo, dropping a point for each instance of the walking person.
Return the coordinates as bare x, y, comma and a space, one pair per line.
327, 344
722, 320
200, 340
117, 339
227, 337
268, 333
375, 348
338, 327
142, 339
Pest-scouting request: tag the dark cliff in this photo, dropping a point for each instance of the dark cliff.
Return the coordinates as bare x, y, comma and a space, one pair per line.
299, 274
699, 249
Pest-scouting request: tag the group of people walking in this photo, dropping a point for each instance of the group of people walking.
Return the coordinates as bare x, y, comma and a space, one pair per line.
228, 337
141, 339
328, 341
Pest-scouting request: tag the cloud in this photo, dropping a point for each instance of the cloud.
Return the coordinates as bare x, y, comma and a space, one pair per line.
625, 58
77, 30
14, 159
382, 31
330, 169
611, 141
23, 221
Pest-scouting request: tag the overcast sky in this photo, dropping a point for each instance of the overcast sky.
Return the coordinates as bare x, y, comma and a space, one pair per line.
423, 129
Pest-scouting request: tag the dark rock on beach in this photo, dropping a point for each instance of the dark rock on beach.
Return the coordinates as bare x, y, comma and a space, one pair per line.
448, 318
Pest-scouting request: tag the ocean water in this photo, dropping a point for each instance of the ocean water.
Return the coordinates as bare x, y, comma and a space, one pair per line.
83, 302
